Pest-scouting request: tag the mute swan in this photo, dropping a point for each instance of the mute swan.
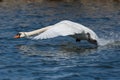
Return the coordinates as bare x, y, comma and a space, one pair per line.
63, 28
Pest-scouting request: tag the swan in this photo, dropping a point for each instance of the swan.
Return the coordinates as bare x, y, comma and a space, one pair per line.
62, 28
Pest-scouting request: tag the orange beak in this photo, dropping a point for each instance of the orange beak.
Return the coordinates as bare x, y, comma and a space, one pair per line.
17, 36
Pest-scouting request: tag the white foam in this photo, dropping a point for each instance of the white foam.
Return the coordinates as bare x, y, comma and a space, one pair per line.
103, 42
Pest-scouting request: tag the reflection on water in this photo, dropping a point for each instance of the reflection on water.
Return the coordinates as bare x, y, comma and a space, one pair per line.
66, 50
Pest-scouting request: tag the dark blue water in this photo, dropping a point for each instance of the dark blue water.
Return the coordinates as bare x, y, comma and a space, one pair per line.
60, 58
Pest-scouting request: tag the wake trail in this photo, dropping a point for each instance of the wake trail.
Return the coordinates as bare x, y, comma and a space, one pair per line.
103, 42
110, 38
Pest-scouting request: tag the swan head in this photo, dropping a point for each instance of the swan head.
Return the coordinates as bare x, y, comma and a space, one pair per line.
20, 35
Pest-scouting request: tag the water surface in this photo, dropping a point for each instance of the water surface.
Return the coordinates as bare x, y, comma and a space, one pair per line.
60, 58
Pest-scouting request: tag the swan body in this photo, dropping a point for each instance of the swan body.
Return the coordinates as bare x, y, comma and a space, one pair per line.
63, 28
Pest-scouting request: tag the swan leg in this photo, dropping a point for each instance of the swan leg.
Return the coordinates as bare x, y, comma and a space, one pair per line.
93, 41
78, 40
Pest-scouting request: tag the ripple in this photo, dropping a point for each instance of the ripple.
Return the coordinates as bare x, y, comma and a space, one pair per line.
60, 58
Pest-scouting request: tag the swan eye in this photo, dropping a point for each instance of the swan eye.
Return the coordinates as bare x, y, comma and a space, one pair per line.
18, 34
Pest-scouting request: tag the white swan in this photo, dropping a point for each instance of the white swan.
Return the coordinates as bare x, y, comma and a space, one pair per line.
63, 28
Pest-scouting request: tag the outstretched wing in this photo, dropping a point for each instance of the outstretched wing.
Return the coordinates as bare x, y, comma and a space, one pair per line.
59, 30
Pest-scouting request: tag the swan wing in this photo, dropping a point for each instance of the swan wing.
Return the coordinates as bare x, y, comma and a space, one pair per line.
59, 30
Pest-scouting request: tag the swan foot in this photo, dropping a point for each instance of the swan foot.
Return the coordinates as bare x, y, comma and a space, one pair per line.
78, 40
93, 41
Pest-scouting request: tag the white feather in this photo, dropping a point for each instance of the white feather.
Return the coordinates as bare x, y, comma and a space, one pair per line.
59, 29
63, 28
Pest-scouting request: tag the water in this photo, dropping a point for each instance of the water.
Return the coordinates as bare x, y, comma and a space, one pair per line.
59, 58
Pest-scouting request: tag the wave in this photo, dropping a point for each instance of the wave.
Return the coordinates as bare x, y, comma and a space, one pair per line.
103, 42
109, 38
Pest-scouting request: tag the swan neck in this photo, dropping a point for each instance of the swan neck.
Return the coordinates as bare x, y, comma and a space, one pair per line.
38, 31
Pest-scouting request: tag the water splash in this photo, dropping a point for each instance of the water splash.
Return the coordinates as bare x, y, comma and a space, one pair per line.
103, 42
110, 39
